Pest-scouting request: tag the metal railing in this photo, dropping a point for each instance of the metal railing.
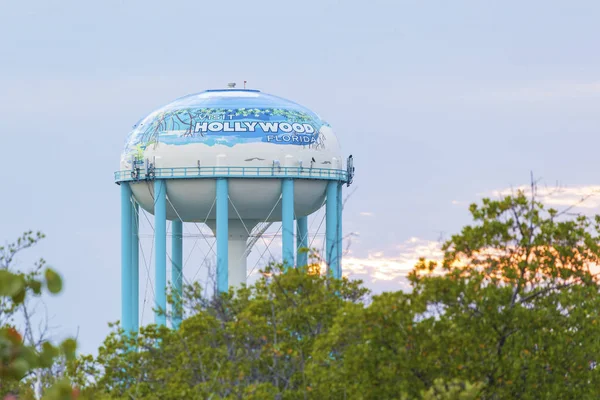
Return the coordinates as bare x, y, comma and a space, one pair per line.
231, 172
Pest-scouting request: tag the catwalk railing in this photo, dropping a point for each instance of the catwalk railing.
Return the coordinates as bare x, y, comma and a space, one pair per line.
139, 174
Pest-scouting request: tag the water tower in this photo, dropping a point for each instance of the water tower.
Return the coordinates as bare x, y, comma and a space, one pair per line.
231, 159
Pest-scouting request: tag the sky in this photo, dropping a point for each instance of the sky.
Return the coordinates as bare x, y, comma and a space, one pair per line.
440, 103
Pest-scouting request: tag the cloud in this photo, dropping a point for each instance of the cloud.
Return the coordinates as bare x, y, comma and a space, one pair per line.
381, 270
579, 197
366, 214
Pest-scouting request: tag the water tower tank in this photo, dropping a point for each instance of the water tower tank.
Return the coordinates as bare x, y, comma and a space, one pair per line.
228, 158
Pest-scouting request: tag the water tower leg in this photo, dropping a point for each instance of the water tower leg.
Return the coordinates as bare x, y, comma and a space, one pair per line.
176, 270
331, 229
302, 240
340, 237
135, 268
160, 248
222, 235
287, 221
126, 241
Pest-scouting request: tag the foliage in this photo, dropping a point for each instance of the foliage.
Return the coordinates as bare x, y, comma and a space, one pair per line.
509, 312
512, 306
18, 359
254, 343
455, 390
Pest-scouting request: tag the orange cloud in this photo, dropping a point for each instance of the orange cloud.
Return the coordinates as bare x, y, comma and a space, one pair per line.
391, 268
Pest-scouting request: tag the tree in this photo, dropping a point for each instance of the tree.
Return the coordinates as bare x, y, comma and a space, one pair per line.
511, 309
20, 356
510, 312
255, 342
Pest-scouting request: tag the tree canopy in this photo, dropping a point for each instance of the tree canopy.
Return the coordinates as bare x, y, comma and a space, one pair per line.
509, 312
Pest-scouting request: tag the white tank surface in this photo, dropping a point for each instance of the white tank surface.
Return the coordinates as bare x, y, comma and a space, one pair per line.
246, 135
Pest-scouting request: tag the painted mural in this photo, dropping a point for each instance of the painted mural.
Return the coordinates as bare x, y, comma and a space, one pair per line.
226, 126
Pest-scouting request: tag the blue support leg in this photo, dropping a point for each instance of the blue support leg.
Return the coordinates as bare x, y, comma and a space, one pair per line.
176, 270
160, 248
287, 222
340, 237
126, 242
222, 235
135, 268
302, 240
331, 229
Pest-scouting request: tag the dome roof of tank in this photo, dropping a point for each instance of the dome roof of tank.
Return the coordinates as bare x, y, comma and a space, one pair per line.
234, 99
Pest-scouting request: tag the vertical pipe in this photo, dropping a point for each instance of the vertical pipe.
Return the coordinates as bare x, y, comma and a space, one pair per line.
236, 251
331, 228
340, 236
287, 221
222, 235
135, 268
126, 241
302, 240
160, 248
176, 270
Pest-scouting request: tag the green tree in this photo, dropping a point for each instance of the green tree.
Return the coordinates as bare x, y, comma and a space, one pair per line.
19, 360
510, 312
252, 343
512, 308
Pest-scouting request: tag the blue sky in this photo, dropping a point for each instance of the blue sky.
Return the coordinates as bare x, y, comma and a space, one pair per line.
439, 102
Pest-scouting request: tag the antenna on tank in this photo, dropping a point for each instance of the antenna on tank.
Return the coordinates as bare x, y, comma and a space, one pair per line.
150, 167
312, 161
350, 169
245, 84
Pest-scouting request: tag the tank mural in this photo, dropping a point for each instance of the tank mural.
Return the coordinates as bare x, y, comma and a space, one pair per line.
229, 127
